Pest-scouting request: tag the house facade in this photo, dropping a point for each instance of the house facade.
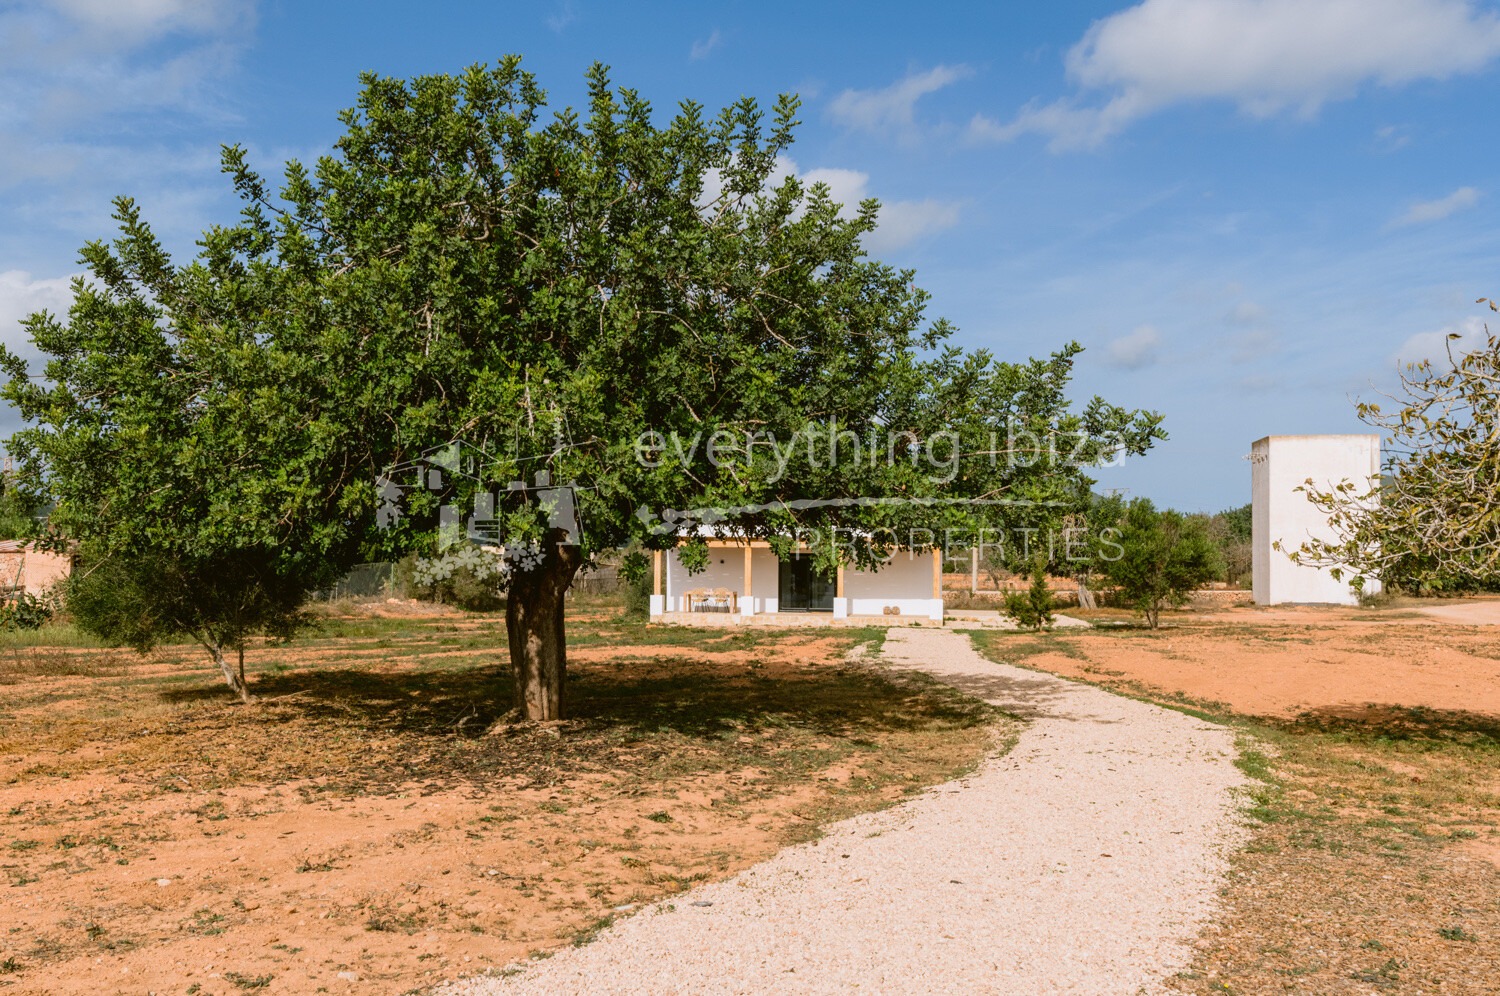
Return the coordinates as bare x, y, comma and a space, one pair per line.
24, 568
746, 583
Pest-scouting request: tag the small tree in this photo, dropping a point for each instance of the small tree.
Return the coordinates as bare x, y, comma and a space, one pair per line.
1033, 608
140, 601
1230, 532
180, 448
1159, 558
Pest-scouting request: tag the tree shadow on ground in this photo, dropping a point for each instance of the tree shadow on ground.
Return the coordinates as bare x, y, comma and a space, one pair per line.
1023, 695
653, 707
1413, 724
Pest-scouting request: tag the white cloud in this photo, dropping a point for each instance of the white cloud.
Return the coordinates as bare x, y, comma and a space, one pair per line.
1265, 56
1246, 313
847, 186
892, 110
1252, 337
96, 99
1391, 138
565, 14
703, 48
71, 70
899, 223
1422, 212
21, 296
905, 222
130, 22
1467, 335
1134, 350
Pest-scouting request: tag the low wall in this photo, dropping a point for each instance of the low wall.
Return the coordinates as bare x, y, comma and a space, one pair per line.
1216, 597
787, 619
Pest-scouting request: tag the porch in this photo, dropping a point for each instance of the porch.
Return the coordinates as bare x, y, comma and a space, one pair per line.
746, 583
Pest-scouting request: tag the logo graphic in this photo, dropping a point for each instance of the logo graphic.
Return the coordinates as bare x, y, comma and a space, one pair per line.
456, 470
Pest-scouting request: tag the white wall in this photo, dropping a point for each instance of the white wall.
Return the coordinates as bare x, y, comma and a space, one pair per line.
764, 579
1278, 466
905, 582
725, 570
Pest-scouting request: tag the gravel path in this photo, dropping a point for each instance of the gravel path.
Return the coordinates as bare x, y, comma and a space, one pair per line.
1083, 861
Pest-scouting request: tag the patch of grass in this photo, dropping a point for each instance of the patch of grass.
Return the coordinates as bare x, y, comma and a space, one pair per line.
1456, 933
588, 932
248, 982
53, 634
206, 923
1387, 974
1255, 764
1015, 646
394, 922
323, 864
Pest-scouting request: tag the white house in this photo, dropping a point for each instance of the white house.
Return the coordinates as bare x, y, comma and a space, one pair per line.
1279, 513
747, 583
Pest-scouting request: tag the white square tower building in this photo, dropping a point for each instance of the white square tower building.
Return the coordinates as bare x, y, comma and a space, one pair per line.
1280, 513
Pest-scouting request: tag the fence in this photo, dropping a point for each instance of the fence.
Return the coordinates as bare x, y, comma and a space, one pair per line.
364, 581
377, 580
602, 580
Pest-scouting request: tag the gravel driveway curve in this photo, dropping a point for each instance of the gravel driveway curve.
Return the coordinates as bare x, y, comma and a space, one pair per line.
1085, 860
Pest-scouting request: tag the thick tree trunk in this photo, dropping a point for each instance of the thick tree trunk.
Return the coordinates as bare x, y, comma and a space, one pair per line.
1086, 598
538, 641
234, 677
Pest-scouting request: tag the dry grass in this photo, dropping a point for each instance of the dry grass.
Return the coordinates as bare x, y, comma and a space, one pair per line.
1373, 861
358, 819
19, 664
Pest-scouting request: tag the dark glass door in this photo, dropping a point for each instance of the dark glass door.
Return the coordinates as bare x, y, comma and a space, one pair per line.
801, 588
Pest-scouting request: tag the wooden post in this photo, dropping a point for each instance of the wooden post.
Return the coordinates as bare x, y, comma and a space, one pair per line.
937, 573
748, 608
838, 583
974, 559
656, 572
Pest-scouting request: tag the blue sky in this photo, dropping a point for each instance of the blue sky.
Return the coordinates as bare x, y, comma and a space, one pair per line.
1247, 210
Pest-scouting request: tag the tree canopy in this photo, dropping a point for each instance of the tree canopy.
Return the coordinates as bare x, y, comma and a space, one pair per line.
651, 311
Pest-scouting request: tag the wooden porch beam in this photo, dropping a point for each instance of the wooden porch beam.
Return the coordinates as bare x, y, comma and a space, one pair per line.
749, 607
